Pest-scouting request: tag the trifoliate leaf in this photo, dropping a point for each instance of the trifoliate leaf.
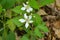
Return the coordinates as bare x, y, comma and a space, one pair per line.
43, 28
7, 3
34, 4
37, 19
11, 36
4, 34
17, 10
11, 25
45, 2
38, 33
17, 22
24, 38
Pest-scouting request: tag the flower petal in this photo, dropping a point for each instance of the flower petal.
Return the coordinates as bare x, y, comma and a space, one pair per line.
30, 17
24, 5
25, 16
23, 8
22, 20
28, 10
27, 24
31, 21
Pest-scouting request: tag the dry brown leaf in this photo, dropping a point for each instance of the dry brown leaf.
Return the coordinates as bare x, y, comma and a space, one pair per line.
58, 4
41, 12
47, 24
41, 39
57, 32
54, 38
57, 24
17, 38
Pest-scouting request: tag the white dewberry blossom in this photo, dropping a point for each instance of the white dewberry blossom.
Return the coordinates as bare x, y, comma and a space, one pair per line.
27, 8
26, 19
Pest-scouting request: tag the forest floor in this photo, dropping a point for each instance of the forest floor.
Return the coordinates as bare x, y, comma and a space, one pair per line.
51, 15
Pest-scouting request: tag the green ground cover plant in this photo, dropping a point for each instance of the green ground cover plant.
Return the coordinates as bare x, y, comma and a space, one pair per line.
22, 15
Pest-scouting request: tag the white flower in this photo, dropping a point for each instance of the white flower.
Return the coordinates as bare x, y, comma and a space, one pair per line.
26, 19
27, 8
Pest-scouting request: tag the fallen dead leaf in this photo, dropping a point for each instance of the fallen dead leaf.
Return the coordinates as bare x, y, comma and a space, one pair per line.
58, 4
57, 24
41, 39
57, 32
54, 38
47, 24
41, 12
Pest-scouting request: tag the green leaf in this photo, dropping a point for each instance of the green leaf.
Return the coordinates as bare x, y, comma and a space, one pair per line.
8, 14
38, 33
0, 8
11, 25
45, 2
24, 38
37, 19
17, 22
34, 4
7, 3
43, 28
20, 1
4, 34
17, 10
0, 0
11, 36
0, 38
